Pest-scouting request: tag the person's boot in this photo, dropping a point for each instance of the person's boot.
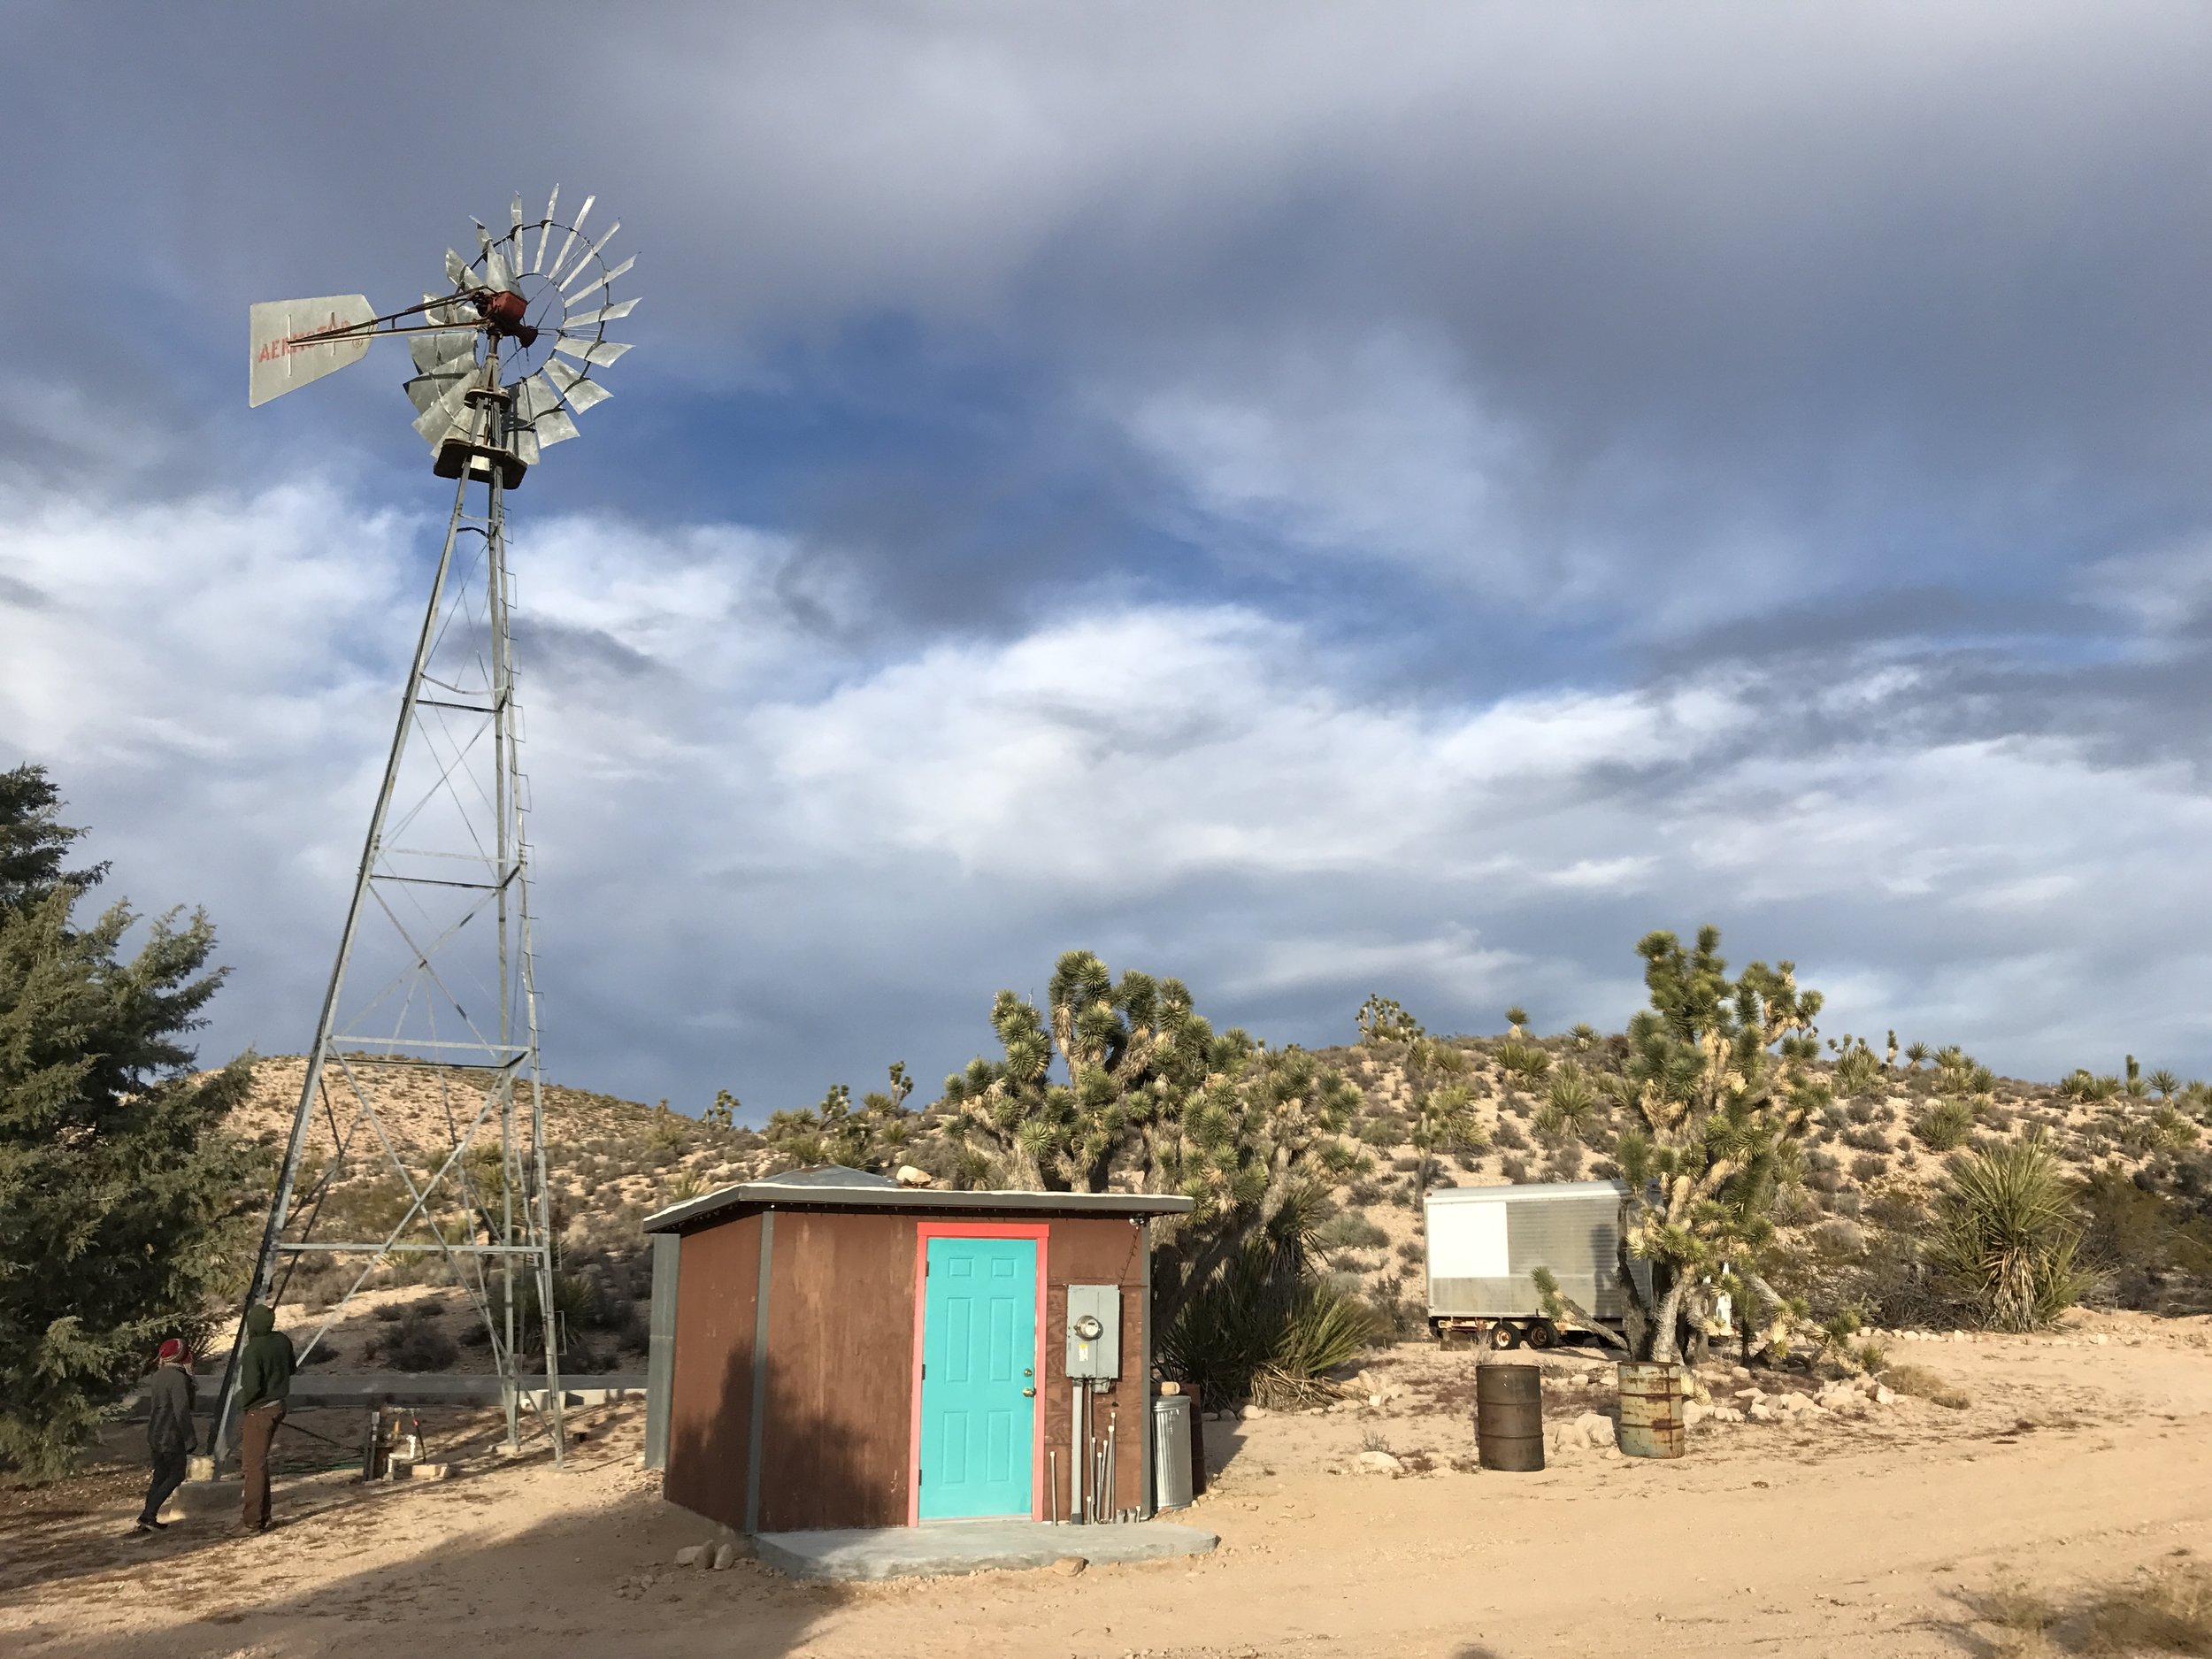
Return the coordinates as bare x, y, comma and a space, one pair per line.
147, 1524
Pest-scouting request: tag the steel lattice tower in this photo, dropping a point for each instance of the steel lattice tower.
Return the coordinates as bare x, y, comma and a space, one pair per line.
428, 1040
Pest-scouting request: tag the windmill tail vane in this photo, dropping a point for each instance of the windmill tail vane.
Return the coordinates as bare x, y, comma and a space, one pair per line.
505, 359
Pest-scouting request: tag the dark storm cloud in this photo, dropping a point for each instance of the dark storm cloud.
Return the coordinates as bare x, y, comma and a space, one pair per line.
1318, 500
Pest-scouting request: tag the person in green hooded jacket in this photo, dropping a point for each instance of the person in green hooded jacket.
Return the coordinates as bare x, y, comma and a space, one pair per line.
265, 1382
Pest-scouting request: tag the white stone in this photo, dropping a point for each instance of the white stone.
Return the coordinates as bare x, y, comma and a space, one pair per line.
1379, 1464
1761, 1412
1693, 1412
724, 1554
1884, 1395
690, 1554
1592, 1428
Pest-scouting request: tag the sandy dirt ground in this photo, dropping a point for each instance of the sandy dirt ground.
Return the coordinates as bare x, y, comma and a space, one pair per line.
2077, 1465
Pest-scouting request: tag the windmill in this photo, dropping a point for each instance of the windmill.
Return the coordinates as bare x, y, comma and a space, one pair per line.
423, 1079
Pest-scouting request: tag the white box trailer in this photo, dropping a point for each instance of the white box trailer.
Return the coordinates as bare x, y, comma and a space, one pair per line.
1485, 1244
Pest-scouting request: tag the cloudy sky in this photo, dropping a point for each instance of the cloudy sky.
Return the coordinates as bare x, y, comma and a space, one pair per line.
1311, 499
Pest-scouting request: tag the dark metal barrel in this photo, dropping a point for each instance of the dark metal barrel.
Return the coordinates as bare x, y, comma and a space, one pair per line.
1510, 1417
1651, 1410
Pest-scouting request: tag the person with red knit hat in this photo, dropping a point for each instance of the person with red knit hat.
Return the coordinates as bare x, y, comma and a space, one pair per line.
170, 1439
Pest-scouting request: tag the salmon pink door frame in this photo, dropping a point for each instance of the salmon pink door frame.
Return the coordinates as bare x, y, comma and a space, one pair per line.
924, 1232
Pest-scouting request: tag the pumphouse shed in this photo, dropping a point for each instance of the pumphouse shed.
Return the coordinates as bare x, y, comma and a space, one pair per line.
831, 1349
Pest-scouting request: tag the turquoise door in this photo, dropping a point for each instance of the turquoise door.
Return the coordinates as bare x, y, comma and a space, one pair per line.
979, 1391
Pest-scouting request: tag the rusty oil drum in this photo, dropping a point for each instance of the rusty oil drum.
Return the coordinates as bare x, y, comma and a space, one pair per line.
1651, 1410
1509, 1418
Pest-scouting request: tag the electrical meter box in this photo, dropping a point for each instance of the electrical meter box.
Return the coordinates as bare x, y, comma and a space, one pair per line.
1095, 1330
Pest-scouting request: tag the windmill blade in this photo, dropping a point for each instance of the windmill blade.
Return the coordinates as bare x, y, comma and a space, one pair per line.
593, 288
435, 421
276, 363
584, 259
604, 314
526, 442
581, 394
457, 270
535, 397
437, 354
426, 391
598, 353
569, 241
554, 427
496, 272
545, 230
515, 236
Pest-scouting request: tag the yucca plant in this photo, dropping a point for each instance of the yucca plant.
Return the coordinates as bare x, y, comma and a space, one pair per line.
1945, 1126
1573, 1094
2006, 1233
1857, 1071
2165, 1082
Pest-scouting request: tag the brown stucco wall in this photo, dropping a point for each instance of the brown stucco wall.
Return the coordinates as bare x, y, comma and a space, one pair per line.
1105, 1250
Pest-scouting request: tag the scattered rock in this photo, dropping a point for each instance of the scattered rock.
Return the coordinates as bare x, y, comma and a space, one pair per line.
1694, 1412
1592, 1428
1381, 1464
1256, 1412
1760, 1411
1375, 1401
1068, 1566
1884, 1395
908, 1176
723, 1555
691, 1554
1741, 1373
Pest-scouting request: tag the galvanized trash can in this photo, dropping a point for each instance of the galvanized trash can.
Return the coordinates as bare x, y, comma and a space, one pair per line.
1170, 1452
1651, 1410
1509, 1418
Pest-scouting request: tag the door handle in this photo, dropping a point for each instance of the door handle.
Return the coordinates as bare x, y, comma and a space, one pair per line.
1029, 1393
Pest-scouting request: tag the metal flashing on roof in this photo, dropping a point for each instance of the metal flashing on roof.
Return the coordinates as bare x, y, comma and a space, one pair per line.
826, 1175
782, 1192
1525, 1189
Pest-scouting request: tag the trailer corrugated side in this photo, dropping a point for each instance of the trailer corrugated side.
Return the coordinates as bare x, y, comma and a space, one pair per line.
1484, 1243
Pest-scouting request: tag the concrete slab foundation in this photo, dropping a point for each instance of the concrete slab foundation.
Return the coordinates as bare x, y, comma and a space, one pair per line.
944, 1547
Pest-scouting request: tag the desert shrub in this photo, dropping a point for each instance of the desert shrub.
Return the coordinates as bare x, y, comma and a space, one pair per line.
2006, 1234
1862, 1111
1349, 1230
1923, 1384
1564, 1163
2134, 1235
1509, 1137
1823, 1172
1514, 1170
1858, 1071
414, 1344
1411, 1251
1364, 1191
1944, 1125
1868, 1166
1522, 1061
1899, 1210
1794, 1207
1869, 1140
1469, 1161
1383, 1131
391, 1312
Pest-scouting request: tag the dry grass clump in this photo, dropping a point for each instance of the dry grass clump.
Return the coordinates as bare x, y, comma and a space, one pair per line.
2166, 1610
1923, 1384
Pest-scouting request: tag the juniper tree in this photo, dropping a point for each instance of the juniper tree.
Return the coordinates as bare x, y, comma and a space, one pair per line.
122, 1201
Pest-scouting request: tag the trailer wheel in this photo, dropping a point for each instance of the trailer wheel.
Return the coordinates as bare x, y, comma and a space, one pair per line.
1503, 1335
1542, 1333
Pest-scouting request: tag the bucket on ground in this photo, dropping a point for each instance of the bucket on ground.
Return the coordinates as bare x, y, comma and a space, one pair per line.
1509, 1418
1171, 1452
1651, 1410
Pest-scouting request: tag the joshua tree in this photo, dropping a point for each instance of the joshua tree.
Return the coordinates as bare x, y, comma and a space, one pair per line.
1516, 1022
1384, 1019
1916, 1055
2165, 1082
1718, 1082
